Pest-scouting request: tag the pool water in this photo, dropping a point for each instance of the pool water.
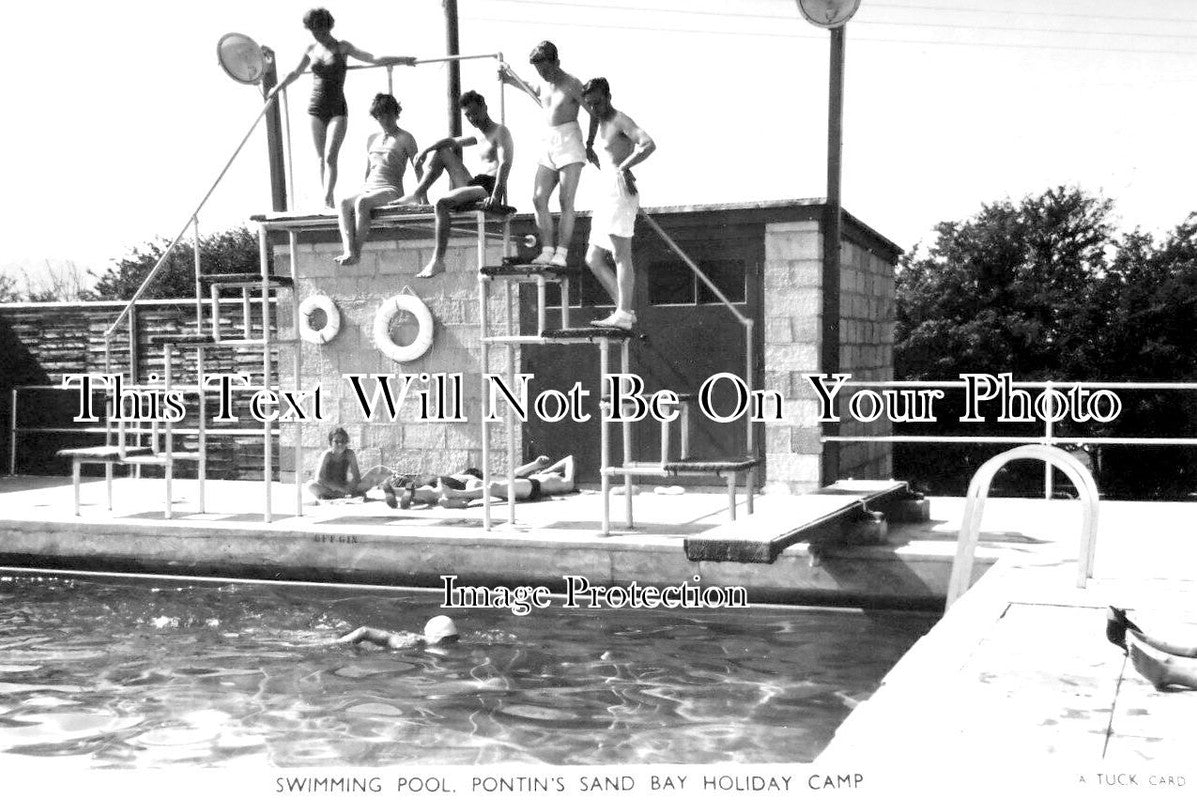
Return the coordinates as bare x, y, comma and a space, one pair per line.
136, 673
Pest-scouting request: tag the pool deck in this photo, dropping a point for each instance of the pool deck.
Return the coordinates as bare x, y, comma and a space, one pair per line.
368, 543
1017, 671
1018, 674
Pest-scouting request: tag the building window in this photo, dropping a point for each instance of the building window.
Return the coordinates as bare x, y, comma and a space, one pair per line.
672, 283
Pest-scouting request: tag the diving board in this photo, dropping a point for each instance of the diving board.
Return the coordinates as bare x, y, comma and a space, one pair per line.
761, 537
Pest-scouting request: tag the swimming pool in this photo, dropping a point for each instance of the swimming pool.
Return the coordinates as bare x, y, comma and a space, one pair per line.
136, 673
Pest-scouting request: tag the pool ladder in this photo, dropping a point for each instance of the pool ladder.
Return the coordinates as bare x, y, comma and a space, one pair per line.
978, 490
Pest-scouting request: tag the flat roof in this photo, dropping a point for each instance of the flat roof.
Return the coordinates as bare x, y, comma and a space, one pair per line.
754, 211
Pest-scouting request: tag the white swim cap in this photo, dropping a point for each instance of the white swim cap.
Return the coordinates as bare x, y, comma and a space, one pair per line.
438, 629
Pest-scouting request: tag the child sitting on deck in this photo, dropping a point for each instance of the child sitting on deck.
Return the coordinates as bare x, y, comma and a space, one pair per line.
337, 472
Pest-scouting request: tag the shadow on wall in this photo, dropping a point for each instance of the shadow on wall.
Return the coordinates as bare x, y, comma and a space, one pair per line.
18, 367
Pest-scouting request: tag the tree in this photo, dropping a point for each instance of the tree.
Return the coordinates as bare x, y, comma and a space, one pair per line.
1004, 291
8, 289
64, 282
1044, 289
233, 250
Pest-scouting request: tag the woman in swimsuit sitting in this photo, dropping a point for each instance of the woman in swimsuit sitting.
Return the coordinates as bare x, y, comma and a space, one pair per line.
328, 59
388, 153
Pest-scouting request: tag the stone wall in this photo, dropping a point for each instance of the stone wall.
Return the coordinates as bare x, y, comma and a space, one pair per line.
793, 314
388, 266
793, 318
866, 352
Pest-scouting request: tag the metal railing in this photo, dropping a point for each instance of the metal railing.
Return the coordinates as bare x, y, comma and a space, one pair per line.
193, 218
1048, 437
108, 429
974, 508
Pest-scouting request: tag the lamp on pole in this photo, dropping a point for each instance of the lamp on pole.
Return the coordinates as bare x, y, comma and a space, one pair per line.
833, 15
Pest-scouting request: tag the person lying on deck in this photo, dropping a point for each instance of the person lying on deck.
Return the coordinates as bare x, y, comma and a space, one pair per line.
438, 630
534, 480
401, 491
337, 473
1163, 652
538, 478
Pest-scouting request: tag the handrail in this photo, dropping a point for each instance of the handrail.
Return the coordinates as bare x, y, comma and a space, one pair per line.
696, 270
749, 358
974, 507
192, 218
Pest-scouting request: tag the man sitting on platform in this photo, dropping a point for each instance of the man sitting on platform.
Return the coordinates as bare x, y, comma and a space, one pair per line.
489, 186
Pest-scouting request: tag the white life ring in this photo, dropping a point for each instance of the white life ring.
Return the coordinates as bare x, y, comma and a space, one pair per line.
332, 319
382, 327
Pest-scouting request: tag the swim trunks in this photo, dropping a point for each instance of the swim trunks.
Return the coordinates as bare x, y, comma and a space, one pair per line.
535, 493
328, 88
563, 146
486, 182
614, 212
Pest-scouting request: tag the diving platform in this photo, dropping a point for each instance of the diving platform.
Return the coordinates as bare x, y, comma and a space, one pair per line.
817, 516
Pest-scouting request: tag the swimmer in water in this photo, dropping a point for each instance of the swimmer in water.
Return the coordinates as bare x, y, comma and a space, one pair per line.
438, 630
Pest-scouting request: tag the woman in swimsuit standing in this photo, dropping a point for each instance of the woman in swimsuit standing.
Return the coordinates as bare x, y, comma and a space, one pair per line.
328, 59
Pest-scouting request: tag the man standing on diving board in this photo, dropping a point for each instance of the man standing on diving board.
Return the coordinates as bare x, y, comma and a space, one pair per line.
564, 155
622, 145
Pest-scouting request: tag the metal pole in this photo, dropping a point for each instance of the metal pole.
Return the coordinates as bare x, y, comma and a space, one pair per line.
291, 192
502, 93
199, 302
832, 223
452, 48
274, 137
12, 434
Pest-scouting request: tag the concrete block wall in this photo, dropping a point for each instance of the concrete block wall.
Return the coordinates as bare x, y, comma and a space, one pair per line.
389, 263
793, 320
866, 352
793, 333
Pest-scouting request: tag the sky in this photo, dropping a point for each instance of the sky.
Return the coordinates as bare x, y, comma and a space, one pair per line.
119, 117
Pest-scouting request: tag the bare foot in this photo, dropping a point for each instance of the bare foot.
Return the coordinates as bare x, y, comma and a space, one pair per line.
433, 268
346, 259
1161, 669
411, 200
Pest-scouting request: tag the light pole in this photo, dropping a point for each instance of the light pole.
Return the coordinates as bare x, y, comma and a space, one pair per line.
833, 15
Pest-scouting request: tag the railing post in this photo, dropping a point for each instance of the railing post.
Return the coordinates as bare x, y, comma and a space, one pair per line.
12, 434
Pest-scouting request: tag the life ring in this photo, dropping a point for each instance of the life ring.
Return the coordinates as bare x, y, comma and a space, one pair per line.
332, 319
382, 328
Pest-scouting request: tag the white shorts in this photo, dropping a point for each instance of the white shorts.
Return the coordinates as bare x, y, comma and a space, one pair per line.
563, 146
614, 212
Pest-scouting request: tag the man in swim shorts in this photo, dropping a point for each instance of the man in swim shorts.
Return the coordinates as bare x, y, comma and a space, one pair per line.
388, 153
533, 480
564, 155
489, 185
622, 145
